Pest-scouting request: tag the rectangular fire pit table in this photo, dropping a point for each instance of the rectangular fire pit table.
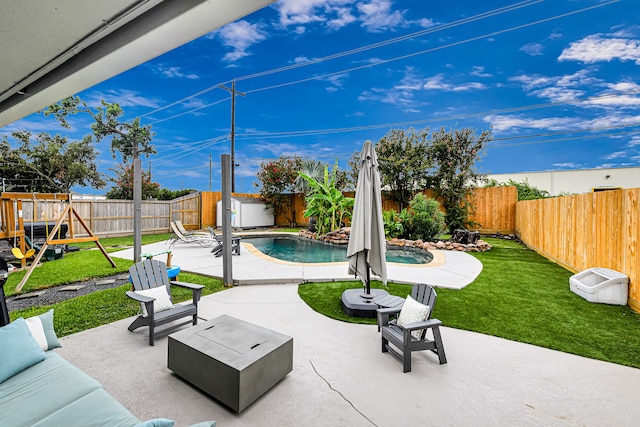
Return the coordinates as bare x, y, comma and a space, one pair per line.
234, 361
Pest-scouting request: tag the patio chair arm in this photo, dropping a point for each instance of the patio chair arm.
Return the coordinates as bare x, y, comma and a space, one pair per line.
425, 324
147, 301
138, 297
384, 314
195, 289
186, 285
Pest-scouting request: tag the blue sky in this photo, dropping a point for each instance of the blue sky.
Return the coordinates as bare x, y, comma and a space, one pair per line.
557, 81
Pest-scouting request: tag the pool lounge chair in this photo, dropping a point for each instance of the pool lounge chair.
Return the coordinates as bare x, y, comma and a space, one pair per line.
203, 240
217, 250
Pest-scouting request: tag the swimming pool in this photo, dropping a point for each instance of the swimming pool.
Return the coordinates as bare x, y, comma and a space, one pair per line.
293, 249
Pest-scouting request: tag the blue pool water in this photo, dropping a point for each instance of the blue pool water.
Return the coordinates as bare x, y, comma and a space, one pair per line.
309, 251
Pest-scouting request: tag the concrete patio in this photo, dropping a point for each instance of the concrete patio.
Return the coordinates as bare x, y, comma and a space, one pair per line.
340, 377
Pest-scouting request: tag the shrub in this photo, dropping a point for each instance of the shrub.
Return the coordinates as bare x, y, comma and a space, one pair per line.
392, 224
423, 220
426, 220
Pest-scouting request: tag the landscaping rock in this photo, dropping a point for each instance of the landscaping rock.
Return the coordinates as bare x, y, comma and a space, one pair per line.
340, 237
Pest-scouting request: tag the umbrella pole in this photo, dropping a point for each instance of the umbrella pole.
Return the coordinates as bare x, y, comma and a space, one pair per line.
368, 287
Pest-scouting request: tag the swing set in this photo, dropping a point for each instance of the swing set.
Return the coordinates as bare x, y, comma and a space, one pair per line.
11, 205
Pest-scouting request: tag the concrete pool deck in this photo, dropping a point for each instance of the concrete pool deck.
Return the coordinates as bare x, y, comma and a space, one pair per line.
341, 378
449, 269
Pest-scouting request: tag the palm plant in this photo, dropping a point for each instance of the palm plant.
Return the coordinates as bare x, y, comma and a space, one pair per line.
313, 169
326, 202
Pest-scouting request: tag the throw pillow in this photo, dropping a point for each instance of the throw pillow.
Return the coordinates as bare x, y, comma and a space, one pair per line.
18, 349
162, 301
156, 422
41, 328
412, 311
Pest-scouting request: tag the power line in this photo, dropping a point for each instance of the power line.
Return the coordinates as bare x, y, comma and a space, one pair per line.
442, 27
416, 34
381, 62
422, 52
291, 134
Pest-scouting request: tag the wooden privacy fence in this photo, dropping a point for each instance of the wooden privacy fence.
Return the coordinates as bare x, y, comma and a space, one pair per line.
110, 218
582, 231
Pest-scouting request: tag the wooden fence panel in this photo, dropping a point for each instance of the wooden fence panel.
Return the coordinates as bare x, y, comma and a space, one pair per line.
187, 210
582, 231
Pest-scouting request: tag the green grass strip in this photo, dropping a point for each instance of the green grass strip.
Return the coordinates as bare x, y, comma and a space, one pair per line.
520, 296
103, 307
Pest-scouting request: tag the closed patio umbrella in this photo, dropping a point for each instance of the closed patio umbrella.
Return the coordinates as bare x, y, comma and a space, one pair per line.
367, 244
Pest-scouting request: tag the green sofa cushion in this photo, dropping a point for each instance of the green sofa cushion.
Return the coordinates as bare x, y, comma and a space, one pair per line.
44, 388
96, 409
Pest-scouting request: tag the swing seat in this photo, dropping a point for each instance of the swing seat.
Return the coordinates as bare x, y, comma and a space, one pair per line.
19, 255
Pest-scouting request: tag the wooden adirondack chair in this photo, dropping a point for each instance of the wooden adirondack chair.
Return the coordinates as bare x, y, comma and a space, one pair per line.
399, 340
150, 277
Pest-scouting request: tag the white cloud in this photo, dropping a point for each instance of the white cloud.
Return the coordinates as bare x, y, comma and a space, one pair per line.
533, 49
635, 141
569, 165
295, 12
616, 155
240, 36
173, 72
437, 83
343, 19
124, 97
557, 88
503, 123
377, 15
478, 71
515, 122
603, 47
335, 14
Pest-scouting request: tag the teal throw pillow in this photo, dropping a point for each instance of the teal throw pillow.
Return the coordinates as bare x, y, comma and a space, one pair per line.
41, 328
18, 349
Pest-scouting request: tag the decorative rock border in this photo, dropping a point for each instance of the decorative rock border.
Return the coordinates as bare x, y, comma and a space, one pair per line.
341, 237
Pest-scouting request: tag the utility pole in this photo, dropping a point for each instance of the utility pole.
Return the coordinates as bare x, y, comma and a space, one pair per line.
233, 92
210, 173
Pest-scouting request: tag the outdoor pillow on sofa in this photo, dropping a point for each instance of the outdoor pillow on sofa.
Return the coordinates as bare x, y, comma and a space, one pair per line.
18, 349
41, 328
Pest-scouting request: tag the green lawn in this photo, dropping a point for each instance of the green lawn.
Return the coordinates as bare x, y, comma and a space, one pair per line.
98, 308
519, 296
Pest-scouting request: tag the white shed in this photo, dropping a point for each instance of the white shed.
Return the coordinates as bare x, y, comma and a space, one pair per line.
247, 212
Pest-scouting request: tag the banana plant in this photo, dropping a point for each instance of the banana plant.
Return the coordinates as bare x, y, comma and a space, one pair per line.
326, 202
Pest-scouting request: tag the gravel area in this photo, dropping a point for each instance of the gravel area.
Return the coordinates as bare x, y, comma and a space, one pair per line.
65, 292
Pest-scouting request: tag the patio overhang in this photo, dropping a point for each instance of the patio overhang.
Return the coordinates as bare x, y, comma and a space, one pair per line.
51, 50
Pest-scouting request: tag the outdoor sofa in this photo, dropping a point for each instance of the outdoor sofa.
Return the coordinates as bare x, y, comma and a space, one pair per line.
40, 388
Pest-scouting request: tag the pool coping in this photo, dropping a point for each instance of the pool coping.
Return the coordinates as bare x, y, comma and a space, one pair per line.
457, 270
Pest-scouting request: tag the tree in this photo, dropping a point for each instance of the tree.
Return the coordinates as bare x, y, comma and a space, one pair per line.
123, 188
128, 138
403, 164
525, 190
50, 164
276, 181
454, 154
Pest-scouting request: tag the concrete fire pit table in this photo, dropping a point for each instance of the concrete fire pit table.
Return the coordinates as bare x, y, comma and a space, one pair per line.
234, 361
